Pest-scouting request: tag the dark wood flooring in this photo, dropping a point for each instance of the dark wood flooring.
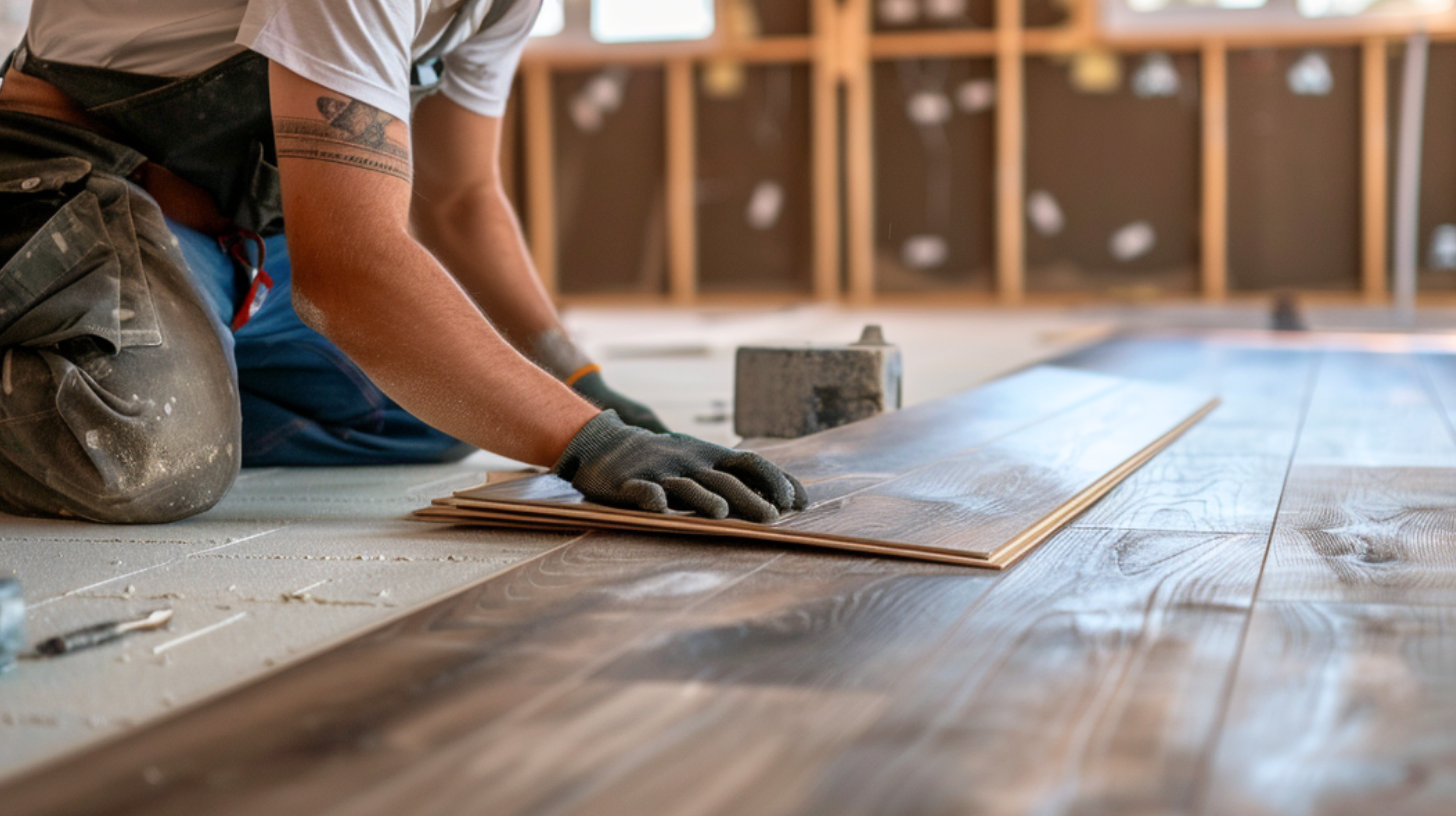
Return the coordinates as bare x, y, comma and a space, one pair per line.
1261, 621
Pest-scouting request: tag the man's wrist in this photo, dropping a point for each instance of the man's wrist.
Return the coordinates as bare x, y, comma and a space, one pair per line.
554, 352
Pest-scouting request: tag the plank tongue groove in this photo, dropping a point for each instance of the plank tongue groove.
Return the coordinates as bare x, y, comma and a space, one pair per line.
978, 477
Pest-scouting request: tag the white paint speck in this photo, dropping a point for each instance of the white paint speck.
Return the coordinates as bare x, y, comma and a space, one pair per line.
61, 241
93, 439
167, 409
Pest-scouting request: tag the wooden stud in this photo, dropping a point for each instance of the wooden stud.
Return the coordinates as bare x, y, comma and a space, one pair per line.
1214, 238
1010, 154
825, 150
682, 209
540, 147
1374, 183
859, 148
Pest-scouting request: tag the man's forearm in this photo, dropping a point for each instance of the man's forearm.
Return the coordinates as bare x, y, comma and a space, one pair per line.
478, 238
403, 319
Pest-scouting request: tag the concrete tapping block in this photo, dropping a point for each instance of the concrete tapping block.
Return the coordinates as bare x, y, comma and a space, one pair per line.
788, 392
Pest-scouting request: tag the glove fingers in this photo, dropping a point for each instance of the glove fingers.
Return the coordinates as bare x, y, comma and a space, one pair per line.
690, 494
783, 490
643, 495
741, 499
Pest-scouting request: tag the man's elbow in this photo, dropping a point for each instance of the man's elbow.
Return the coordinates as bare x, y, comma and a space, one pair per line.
308, 310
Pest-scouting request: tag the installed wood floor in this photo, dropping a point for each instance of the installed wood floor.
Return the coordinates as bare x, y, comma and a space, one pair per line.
1261, 621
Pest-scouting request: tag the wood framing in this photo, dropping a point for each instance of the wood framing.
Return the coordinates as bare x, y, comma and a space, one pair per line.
841, 50
682, 210
1214, 215
540, 147
1010, 154
826, 154
1375, 171
859, 148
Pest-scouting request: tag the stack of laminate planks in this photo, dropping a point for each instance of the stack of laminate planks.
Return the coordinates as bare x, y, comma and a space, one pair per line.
979, 478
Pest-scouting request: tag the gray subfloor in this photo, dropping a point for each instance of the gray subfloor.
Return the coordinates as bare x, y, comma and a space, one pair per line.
295, 560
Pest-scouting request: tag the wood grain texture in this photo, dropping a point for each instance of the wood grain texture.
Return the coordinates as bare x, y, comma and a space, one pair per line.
1079, 684
1372, 535
1341, 709
1229, 494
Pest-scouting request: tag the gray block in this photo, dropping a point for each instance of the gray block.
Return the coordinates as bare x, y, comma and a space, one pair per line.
790, 392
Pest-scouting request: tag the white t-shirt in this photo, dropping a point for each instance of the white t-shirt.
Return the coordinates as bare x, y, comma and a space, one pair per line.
360, 48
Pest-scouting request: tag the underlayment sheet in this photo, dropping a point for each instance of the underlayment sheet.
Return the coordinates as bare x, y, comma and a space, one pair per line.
978, 478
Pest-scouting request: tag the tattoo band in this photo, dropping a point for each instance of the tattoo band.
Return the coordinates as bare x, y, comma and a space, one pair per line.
350, 133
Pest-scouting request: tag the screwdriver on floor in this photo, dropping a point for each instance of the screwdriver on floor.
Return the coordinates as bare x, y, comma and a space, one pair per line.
102, 633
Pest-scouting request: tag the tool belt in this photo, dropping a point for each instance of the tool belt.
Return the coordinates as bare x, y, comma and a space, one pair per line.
208, 138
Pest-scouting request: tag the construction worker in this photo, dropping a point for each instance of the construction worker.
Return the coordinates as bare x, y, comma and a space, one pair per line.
157, 331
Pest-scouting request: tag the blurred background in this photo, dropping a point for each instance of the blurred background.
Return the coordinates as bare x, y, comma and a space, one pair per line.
933, 152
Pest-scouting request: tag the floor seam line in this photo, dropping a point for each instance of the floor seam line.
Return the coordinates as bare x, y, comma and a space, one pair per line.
1205, 765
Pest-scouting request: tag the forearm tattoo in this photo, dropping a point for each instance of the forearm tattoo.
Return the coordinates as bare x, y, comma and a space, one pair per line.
349, 132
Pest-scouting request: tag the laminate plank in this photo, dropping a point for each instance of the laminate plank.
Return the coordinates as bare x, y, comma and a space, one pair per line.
1262, 387
721, 715
1341, 709
379, 703
1369, 535
1215, 436
1087, 679
1229, 494
1375, 409
977, 504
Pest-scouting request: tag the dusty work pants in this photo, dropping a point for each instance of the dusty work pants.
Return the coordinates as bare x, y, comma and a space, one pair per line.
125, 396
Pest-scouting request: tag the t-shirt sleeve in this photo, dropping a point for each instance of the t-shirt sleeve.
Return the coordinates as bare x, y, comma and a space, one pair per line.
478, 73
359, 48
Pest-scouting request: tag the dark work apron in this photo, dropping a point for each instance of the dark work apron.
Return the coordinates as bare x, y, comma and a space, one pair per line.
214, 129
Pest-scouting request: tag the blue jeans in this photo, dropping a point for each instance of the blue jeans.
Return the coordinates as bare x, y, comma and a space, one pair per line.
303, 401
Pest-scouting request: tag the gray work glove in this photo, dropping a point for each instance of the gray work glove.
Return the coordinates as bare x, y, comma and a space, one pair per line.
613, 463
597, 392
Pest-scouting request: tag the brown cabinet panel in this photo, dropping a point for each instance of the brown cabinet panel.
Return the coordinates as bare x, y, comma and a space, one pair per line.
1112, 178
610, 169
1294, 169
934, 181
754, 192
